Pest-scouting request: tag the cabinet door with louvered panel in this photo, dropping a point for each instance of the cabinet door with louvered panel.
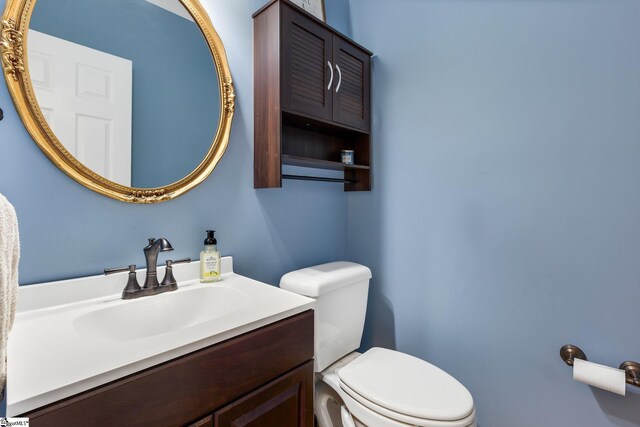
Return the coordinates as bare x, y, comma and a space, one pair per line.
306, 68
352, 87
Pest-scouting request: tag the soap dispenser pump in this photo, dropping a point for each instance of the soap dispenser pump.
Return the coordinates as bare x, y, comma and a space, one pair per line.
210, 259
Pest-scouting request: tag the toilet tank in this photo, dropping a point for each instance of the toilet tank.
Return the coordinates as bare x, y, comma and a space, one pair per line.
340, 290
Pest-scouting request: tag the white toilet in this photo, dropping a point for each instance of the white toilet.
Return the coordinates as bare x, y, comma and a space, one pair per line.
380, 388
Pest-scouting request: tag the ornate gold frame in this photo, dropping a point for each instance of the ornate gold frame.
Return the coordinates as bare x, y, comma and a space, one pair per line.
13, 43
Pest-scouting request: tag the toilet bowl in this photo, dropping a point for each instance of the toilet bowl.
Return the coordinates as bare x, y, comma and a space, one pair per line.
381, 387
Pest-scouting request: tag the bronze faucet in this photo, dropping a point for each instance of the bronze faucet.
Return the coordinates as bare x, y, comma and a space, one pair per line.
151, 286
151, 255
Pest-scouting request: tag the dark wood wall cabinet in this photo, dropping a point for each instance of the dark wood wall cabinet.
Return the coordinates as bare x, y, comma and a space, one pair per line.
312, 98
262, 378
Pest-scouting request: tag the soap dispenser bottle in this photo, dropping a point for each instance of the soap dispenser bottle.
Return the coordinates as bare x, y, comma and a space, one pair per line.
210, 260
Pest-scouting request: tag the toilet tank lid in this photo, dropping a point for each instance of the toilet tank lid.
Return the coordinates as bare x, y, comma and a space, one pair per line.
320, 279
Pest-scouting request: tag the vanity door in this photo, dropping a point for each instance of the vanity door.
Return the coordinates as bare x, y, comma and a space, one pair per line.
307, 70
284, 402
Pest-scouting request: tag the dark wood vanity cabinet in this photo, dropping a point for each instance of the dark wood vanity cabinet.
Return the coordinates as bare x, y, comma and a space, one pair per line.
312, 97
262, 378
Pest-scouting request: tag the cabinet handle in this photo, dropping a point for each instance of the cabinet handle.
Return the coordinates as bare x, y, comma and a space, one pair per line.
339, 78
330, 78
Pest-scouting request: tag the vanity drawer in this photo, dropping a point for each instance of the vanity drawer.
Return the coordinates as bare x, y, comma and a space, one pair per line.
191, 387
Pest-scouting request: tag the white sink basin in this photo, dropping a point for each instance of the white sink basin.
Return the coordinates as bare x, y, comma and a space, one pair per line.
159, 314
75, 335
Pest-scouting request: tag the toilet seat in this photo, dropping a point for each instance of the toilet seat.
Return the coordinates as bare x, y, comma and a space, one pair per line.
406, 389
374, 415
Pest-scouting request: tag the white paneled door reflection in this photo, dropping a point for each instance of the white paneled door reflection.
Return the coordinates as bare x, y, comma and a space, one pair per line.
85, 95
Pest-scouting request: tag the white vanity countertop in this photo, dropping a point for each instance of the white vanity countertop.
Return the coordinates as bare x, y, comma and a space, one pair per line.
51, 358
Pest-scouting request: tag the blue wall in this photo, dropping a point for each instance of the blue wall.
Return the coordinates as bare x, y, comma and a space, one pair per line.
175, 92
69, 231
505, 216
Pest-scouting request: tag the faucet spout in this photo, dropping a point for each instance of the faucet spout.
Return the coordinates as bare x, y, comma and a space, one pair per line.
151, 252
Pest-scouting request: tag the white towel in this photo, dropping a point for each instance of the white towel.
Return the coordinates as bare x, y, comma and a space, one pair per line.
9, 257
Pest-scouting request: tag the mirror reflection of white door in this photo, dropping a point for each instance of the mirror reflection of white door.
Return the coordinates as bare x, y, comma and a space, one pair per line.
85, 96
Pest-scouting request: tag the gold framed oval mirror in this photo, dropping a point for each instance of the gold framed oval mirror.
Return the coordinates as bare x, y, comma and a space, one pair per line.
131, 98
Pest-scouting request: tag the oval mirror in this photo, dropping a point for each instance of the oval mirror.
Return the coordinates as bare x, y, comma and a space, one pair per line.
131, 98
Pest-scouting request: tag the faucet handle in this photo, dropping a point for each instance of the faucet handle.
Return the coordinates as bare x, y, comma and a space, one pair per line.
169, 280
108, 271
132, 288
